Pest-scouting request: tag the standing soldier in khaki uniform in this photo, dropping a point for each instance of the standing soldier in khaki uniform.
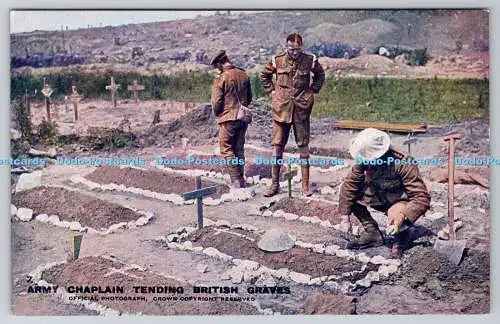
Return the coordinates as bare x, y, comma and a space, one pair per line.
230, 90
394, 187
292, 102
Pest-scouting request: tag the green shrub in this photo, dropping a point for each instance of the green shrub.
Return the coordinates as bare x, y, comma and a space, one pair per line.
47, 131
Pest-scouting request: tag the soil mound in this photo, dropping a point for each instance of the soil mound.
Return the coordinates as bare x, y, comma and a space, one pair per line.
200, 127
432, 273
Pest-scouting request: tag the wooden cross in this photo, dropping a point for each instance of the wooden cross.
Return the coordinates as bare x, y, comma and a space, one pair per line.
198, 194
47, 92
75, 98
410, 141
134, 87
113, 88
288, 176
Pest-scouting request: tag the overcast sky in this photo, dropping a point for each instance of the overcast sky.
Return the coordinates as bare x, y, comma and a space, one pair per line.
27, 21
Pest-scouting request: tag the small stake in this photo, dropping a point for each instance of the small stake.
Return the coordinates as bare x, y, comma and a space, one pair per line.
77, 243
288, 176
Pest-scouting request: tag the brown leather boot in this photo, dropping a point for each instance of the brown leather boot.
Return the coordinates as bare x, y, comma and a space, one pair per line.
305, 181
234, 174
241, 169
371, 237
275, 185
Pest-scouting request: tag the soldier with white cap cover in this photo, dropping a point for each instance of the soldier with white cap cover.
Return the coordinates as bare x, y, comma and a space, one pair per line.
387, 180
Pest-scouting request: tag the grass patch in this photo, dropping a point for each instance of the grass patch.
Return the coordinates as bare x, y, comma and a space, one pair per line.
391, 99
375, 99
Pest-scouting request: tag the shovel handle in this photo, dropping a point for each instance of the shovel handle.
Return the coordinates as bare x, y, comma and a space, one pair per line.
451, 137
451, 181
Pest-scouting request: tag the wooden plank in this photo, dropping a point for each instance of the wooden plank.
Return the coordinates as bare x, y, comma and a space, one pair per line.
396, 127
199, 193
380, 125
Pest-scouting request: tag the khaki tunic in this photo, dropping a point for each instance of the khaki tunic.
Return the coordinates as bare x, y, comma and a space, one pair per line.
382, 186
294, 88
233, 83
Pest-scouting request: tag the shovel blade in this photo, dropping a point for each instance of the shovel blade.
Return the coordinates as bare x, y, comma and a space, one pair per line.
453, 250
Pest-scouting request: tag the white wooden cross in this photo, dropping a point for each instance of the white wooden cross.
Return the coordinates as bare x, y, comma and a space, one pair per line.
47, 92
75, 98
113, 88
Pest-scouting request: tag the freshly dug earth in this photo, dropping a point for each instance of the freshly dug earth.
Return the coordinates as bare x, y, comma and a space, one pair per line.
23, 303
296, 259
98, 271
153, 180
321, 303
198, 125
72, 206
433, 275
309, 208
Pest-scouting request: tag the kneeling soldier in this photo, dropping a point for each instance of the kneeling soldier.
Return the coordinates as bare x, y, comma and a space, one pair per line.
393, 186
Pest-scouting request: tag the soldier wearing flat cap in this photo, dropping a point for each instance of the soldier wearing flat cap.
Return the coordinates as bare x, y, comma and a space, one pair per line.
230, 91
292, 102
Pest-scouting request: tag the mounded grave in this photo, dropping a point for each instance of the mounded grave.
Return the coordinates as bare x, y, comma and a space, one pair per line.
153, 180
309, 208
103, 272
72, 206
242, 244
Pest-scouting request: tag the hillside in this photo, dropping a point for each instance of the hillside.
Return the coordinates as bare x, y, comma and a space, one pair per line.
251, 38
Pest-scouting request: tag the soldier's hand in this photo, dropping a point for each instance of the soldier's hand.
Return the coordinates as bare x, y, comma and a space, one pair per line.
395, 224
